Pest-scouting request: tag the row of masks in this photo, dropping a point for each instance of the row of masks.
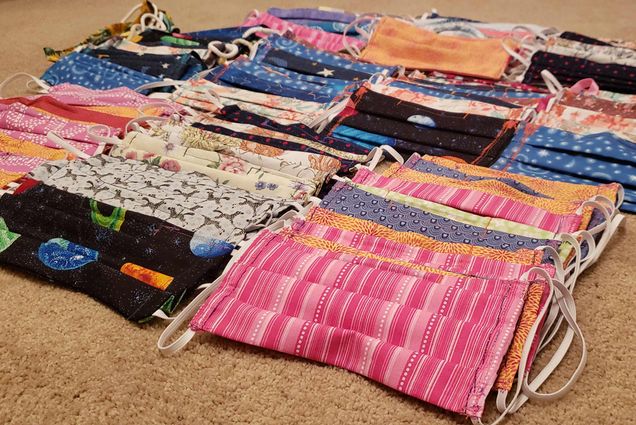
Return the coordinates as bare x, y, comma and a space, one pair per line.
435, 278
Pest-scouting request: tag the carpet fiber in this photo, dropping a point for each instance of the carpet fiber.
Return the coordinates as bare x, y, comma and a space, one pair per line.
65, 358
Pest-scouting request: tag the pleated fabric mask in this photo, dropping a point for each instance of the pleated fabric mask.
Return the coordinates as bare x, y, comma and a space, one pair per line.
188, 200
449, 376
133, 263
395, 41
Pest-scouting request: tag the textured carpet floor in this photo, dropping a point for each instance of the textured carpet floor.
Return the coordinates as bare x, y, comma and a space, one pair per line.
65, 359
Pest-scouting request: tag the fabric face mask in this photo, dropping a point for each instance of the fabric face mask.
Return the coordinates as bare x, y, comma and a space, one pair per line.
329, 60
308, 166
585, 122
51, 106
314, 14
417, 163
562, 156
140, 49
489, 223
394, 41
413, 249
477, 202
476, 139
252, 76
116, 29
27, 123
320, 39
599, 54
285, 110
552, 189
161, 66
569, 70
19, 157
102, 250
505, 96
224, 169
474, 107
87, 71
345, 348
77, 95
188, 200
348, 200
287, 54
595, 103
493, 187
261, 134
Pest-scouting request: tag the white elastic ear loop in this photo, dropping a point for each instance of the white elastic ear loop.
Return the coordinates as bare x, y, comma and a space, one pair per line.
529, 30
252, 47
214, 98
591, 244
603, 228
554, 320
264, 30
351, 49
157, 84
131, 12
64, 144
503, 405
108, 139
568, 308
186, 314
514, 54
155, 22
43, 87
551, 82
133, 124
529, 389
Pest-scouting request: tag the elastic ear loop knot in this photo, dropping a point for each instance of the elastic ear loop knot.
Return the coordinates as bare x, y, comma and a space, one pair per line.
232, 50
377, 156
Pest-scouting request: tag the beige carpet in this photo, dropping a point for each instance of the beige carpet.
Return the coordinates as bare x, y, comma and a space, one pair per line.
65, 359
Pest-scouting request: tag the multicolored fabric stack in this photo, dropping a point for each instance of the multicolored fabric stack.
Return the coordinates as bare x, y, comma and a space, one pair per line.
150, 162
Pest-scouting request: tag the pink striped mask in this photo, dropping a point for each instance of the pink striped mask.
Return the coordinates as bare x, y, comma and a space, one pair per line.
321, 39
476, 202
425, 340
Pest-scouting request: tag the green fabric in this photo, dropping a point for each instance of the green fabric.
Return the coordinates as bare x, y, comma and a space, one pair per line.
113, 221
7, 237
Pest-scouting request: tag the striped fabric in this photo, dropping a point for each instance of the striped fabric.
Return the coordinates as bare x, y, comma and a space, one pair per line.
475, 201
445, 348
456, 263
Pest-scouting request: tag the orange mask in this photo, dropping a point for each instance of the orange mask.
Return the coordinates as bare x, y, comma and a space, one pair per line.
396, 42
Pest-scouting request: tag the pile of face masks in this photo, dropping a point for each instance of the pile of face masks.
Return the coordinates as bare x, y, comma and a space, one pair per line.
152, 161
438, 279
